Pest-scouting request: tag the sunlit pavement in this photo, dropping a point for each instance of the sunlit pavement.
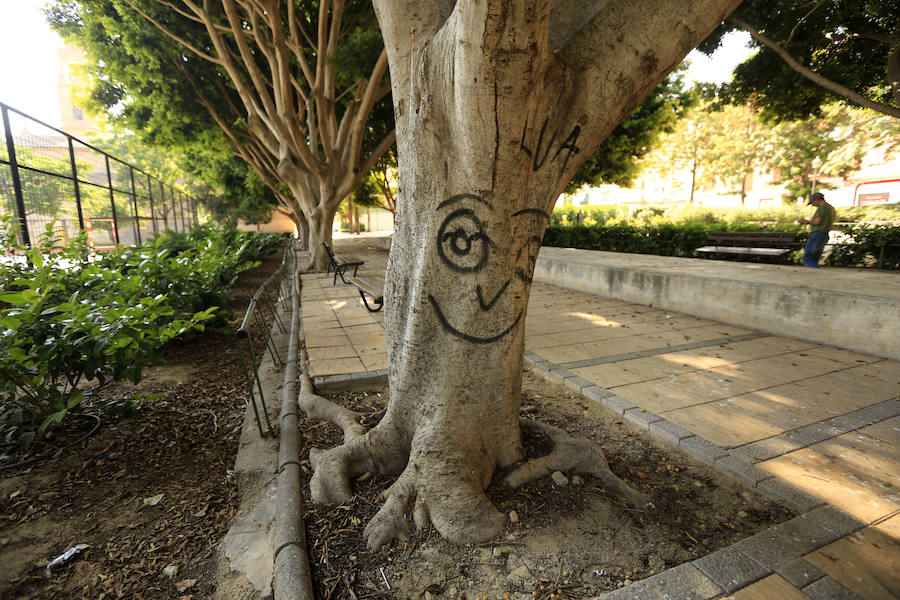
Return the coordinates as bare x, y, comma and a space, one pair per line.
809, 423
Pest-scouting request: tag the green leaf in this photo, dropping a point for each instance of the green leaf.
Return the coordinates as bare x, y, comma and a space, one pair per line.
56, 418
75, 399
14, 298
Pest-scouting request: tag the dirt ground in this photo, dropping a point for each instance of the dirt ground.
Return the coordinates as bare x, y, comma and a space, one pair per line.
563, 539
149, 489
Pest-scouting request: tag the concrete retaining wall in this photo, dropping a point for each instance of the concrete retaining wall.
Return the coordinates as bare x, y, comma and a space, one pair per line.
862, 322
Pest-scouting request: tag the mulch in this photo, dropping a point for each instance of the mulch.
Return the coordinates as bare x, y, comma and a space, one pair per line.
148, 487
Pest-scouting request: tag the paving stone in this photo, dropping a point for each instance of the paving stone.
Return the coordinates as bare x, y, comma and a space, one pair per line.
792, 496
738, 467
636, 591
703, 449
684, 582
595, 392
784, 543
812, 434
730, 569
769, 447
620, 405
579, 383
799, 573
834, 520
829, 589
640, 417
866, 416
670, 431
559, 374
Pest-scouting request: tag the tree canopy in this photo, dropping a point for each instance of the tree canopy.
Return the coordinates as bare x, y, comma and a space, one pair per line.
815, 52
291, 85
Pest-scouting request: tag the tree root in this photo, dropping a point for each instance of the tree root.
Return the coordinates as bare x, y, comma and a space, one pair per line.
576, 454
320, 409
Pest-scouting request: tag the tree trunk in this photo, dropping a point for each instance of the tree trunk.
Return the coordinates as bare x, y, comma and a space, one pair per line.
496, 107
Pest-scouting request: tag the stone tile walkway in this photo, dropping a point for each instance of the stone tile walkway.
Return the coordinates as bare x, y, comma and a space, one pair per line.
812, 425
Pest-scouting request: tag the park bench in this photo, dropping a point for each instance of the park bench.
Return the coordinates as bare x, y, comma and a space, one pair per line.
340, 264
742, 242
367, 289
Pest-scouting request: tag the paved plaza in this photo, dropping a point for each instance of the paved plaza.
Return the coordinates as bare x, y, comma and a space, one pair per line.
813, 425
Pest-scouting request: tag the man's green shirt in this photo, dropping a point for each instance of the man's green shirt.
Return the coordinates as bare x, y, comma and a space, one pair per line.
826, 212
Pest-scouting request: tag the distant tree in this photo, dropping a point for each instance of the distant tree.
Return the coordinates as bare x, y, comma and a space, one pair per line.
617, 160
838, 141
813, 53
292, 85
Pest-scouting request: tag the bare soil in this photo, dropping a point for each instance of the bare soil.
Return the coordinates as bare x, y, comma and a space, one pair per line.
565, 539
146, 488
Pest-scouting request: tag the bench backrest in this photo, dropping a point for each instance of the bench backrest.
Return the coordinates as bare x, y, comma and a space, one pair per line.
330, 253
771, 237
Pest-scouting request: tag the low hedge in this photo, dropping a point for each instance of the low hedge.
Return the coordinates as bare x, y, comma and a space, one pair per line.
862, 245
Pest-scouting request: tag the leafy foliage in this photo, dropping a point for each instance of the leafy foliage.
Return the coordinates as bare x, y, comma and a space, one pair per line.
617, 159
846, 41
68, 317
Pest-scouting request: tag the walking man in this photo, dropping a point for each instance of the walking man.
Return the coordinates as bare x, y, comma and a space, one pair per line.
819, 226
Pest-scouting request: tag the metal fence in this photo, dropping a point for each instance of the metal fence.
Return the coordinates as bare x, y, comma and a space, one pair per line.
46, 175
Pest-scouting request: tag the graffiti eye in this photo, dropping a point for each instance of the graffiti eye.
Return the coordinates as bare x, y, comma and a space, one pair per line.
462, 243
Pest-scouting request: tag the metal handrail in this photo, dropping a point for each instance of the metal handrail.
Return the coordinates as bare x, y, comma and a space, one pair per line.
262, 312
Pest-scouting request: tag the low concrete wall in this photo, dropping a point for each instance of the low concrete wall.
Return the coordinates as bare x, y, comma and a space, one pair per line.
866, 323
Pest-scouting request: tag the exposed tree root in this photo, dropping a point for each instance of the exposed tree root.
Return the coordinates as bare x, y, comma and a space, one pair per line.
318, 408
439, 484
576, 454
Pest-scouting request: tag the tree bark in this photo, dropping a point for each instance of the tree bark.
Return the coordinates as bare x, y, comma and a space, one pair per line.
497, 104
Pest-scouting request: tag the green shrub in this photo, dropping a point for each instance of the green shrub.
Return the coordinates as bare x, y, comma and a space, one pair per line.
67, 317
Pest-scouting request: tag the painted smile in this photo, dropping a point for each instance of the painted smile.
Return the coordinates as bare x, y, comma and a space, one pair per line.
469, 338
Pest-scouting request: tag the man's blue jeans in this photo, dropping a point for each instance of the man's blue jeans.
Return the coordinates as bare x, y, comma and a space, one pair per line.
814, 247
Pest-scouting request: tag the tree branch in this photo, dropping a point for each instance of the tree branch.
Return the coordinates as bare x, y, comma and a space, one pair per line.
178, 39
824, 82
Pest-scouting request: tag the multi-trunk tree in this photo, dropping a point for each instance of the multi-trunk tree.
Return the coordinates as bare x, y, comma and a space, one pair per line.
270, 74
497, 104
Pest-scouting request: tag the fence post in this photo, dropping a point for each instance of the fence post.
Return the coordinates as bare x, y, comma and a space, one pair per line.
14, 171
112, 201
152, 211
137, 217
75, 184
184, 226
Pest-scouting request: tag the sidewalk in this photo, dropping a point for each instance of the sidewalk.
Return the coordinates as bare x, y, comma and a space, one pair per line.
813, 425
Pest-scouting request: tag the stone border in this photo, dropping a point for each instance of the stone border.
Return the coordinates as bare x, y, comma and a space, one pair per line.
779, 549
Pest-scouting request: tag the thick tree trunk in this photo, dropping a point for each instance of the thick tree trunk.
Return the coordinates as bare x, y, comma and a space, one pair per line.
496, 106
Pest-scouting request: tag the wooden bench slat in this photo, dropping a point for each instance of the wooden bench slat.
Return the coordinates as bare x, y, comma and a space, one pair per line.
743, 250
340, 264
748, 238
365, 288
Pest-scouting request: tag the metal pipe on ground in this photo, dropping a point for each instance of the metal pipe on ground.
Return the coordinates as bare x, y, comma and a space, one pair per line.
292, 576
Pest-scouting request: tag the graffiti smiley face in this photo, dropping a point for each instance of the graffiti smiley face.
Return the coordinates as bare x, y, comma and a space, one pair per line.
464, 246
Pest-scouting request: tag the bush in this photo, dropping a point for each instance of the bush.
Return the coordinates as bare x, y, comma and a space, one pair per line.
66, 318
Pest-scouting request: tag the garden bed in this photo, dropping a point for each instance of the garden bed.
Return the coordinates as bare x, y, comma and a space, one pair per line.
563, 539
151, 493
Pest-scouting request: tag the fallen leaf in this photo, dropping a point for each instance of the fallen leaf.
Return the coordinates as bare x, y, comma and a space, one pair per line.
185, 584
433, 588
153, 500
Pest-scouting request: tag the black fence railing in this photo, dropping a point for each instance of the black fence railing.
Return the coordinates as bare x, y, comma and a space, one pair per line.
47, 175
